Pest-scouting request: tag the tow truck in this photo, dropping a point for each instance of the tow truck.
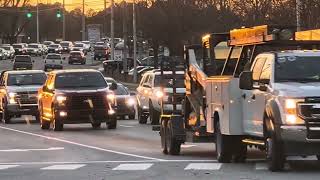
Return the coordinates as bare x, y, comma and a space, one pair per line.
235, 96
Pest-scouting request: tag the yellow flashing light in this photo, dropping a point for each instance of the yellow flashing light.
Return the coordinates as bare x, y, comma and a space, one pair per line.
311, 35
249, 35
205, 41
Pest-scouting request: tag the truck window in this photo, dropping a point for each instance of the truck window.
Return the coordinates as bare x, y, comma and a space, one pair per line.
256, 71
231, 63
266, 72
23, 59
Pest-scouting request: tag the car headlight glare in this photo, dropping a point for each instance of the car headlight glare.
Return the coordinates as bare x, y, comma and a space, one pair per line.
111, 97
61, 99
12, 95
291, 115
159, 94
131, 101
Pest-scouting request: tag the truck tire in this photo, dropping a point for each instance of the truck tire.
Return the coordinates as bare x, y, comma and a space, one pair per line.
6, 118
45, 125
112, 124
57, 125
141, 117
173, 145
154, 115
274, 153
163, 128
240, 152
223, 149
132, 116
96, 125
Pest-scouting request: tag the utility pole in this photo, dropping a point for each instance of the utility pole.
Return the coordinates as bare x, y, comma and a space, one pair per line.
298, 14
105, 18
83, 23
135, 76
63, 21
38, 33
125, 38
112, 29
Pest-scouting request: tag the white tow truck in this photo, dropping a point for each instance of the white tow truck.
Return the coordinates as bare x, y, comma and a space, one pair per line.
256, 86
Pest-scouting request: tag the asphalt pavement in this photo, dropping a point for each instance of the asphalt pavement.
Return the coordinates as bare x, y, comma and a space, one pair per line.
132, 151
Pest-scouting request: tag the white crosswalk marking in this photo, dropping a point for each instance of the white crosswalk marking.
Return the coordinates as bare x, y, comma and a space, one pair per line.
64, 167
133, 167
3, 167
203, 166
261, 166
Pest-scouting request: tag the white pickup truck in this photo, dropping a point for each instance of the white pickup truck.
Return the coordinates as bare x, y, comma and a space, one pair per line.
53, 61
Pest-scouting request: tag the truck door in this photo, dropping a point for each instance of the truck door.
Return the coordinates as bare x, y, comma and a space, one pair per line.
253, 100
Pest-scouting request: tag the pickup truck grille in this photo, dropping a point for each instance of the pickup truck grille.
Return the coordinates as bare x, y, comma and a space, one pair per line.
29, 97
87, 102
310, 112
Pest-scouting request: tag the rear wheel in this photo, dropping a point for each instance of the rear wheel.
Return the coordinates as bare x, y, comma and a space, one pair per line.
96, 125
223, 149
141, 117
173, 145
132, 116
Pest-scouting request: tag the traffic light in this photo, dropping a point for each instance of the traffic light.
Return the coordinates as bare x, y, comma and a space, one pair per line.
59, 14
29, 14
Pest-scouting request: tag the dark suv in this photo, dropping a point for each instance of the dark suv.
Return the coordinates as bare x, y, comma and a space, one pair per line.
22, 62
101, 52
76, 96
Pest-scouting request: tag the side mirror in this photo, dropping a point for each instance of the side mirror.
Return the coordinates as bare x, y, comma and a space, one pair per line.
113, 86
246, 81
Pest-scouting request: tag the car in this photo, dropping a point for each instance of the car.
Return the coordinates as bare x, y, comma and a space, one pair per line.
10, 51
101, 52
87, 45
3, 54
22, 62
19, 93
53, 61
34, 49
80, 47
110, 80
126, 102
150, 93
76, 96
77, 57
48, 43
19, 49
66, 46
55, 48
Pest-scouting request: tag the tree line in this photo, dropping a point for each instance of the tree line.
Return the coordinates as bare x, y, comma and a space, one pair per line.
164, 22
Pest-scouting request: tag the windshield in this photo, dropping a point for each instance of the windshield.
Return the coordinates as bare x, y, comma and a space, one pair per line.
33, 46
17, 46
121, 90
99, 48
53, 56
297, 69
26, 79
78, 45
80, 79
47, 43
23, 59
168, 82
54, 46
64, 44
6, 47
77, 54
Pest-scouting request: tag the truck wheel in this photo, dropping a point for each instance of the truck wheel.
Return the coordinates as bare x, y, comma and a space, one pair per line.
240, 152
163, 128
132, 116
96, 125
141, 117
173, 145
154, 115
57, 126
6, 118
44, 124
274, 152
223, 149
113, 123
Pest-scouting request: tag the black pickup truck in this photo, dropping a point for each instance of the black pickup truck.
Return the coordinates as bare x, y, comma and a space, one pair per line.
22, 62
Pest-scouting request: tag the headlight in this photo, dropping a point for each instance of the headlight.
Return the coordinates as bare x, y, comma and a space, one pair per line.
159, 94
111, 97
131, 101
61, 99
12, 98
291, 115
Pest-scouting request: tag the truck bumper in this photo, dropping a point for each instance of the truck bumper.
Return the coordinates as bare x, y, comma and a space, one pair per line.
16, 109
296, 143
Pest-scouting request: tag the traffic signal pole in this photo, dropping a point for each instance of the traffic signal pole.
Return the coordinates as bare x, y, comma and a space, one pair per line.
38, 33
298, 14
63, 21
135, 75
83, 23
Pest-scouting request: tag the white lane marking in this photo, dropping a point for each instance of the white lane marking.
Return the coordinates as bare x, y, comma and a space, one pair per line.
26, 150
102, 162
3, 167
187, 145
126, 126
82, 145
261, 166
133, 167
298, 158
203, 166
64, 167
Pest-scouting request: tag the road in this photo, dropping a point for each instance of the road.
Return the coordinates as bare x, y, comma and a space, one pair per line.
132, 151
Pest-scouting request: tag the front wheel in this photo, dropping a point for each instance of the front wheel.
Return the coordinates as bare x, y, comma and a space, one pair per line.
96, 125
6, 118
154, 115
141, 117
274, 153
112, 124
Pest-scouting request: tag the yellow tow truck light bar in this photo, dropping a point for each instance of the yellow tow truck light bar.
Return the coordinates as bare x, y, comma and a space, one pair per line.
311, 35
